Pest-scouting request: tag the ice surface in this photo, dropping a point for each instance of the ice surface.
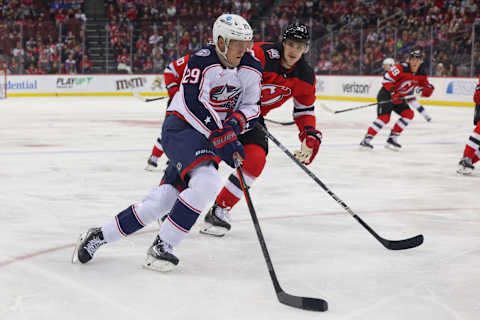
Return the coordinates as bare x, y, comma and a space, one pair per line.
67, 164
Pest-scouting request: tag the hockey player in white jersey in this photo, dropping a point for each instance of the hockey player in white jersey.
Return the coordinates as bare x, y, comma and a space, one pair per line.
218, 100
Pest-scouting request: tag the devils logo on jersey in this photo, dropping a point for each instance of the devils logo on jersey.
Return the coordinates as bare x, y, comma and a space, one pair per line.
271, 93
225, 97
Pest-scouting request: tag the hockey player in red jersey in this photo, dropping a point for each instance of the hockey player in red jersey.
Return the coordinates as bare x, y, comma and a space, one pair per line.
173, 76
471, 153
286, 75
399, 82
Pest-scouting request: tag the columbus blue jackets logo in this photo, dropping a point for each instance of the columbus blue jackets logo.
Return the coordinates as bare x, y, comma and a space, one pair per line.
272, 94
225, 97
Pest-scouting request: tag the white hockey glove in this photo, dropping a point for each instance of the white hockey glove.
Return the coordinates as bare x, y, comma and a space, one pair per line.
311, 139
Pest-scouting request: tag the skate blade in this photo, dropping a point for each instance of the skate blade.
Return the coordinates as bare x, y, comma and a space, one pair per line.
212, 230
158, 265
393, 148
364, 148
77, 246
150, 168
464, 171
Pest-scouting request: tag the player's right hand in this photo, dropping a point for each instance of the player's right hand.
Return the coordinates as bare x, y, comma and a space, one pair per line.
476, 96
226, 142
397, 98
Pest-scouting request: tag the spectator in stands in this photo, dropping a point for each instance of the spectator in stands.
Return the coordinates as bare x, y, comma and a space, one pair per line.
155, 38
124, 62
43, 58
54, 68
158, 63
85, 65
440, 70
148, 65
18, 52
14, 66
70, 65
323, 66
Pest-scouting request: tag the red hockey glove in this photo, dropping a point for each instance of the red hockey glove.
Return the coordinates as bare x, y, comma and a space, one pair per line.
476, 96
397, 98
226, 142
427, 90
311, 139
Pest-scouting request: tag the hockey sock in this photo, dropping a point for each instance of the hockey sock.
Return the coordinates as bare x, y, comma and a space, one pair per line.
476, 157
157, 203
419, 108
473, 143
378, 124
405, 118
204, 184
157, 150
253, 165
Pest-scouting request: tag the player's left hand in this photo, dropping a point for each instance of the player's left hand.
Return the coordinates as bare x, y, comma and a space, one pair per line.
311, 139
427, 90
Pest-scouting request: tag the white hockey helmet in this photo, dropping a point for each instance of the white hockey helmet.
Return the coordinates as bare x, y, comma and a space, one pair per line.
231, 27
389, 61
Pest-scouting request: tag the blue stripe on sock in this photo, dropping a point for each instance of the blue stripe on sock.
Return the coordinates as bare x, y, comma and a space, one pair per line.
183, 216
128, 222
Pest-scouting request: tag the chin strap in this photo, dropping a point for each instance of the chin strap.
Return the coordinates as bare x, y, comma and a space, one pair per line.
224, 55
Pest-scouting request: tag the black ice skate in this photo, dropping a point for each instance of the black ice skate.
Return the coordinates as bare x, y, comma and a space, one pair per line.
365, 143
160, 257
392, 142
465, 166
217, 221
87, 244
427, 117
151, 164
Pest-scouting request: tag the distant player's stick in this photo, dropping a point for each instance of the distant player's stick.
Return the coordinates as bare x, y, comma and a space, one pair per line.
313, 304
363, 106
138, 96
389, 244
287, 123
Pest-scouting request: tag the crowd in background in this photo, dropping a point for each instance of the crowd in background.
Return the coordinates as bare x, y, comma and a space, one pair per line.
348, 36
147, 35
42, 37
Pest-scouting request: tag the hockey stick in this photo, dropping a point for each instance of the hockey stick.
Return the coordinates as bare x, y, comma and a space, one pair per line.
147, 99
366, 105
288, 123
389, 244
313, 304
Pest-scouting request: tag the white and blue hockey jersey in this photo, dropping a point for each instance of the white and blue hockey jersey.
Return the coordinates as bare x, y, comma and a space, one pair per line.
209, 91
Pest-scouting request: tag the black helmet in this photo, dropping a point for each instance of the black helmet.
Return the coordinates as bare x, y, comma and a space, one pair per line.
297, 32
416, 53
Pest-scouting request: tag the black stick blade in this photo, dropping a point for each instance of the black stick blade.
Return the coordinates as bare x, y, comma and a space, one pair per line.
312, 304
403, 244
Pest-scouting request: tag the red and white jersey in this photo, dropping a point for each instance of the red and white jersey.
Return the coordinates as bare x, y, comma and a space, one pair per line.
173, 75
476, 96
280, 84
401, 80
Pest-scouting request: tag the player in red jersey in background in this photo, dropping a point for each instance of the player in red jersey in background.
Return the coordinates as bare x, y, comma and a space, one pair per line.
399, 82
286, 75
471, 153
173, 76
